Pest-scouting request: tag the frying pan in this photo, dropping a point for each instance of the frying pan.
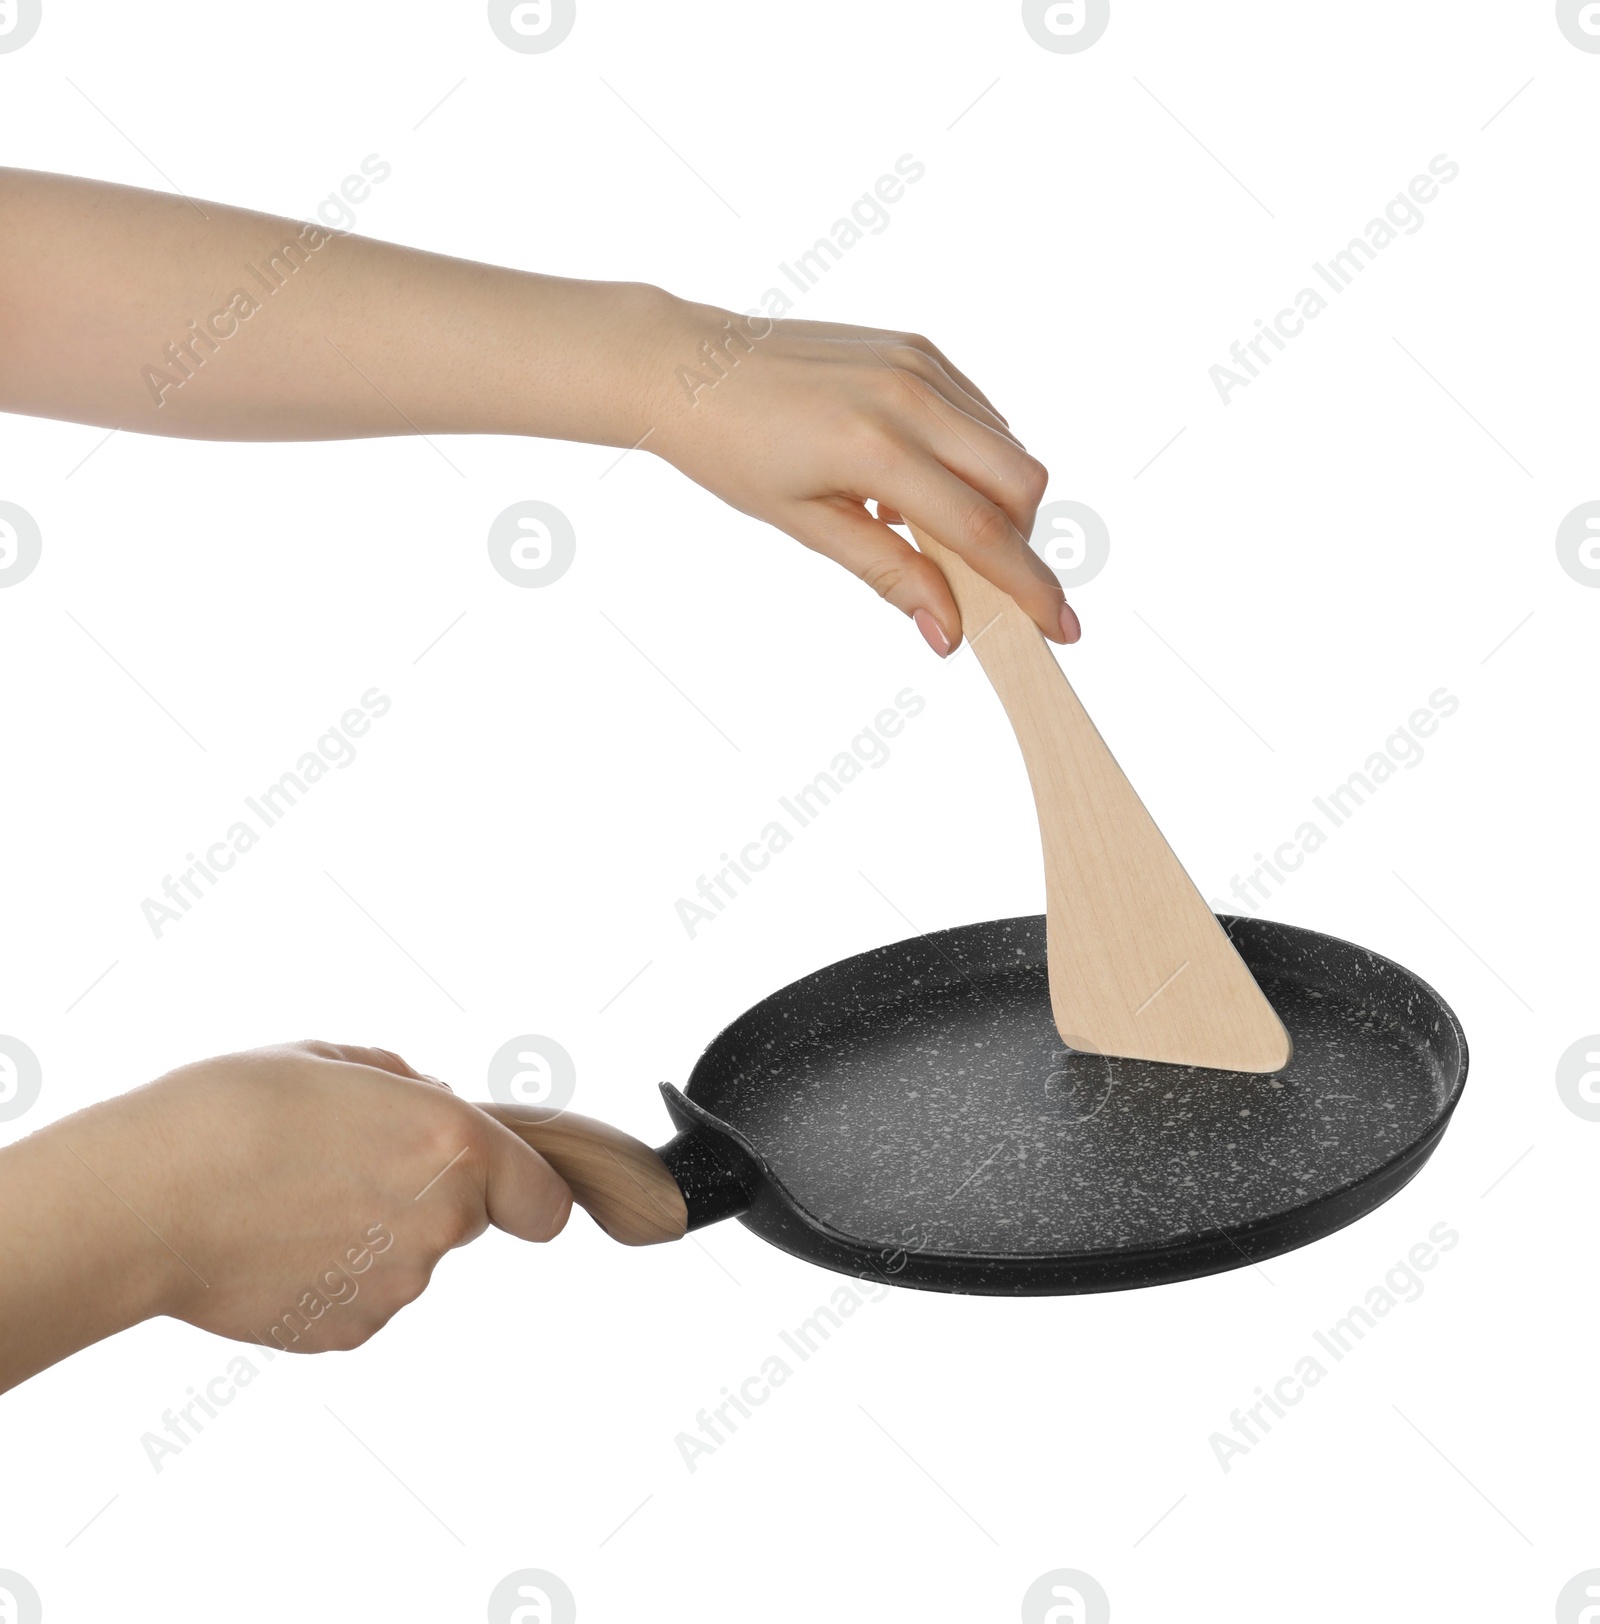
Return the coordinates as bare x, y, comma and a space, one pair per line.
911, 1113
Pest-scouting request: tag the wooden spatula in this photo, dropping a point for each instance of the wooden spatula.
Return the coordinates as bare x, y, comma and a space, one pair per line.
1139, 966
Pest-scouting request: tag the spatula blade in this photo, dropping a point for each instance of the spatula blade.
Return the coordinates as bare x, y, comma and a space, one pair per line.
1139, 965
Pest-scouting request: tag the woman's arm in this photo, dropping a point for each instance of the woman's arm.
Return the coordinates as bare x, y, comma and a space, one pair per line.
147, 312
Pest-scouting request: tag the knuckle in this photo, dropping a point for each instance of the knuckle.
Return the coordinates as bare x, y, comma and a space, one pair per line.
987, 528
459, 1224
875, 443
884, 576
560, 1212
1035, 478
347, 1335
407, 1280
885, 386
442, 1139
922, 389
448, 1137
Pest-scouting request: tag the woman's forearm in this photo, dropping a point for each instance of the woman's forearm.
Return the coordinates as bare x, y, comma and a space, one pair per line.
142, 311
79, 1258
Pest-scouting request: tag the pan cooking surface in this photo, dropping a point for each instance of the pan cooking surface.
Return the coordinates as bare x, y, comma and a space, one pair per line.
919, 1097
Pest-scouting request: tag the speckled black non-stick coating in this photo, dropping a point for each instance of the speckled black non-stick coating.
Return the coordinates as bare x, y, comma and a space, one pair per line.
912, 1112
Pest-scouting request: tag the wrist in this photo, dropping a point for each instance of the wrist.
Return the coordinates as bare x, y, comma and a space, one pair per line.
591, 360
687, 351
81, 1253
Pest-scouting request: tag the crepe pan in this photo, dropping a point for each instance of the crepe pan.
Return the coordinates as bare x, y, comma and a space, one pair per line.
912, 1114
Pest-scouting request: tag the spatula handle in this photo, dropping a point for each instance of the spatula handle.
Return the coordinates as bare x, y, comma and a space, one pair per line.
1010, 648
620, 1182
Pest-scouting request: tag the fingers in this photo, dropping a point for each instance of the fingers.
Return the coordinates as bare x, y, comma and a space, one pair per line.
912, 357
953, 508
523, 1193
379, 1059
908, 341
989, 461
990, 519
916, 342
935, 372
969, 487
844, 531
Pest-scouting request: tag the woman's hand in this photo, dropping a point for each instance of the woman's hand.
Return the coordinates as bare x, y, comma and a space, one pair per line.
803, 424
296, 1196
800, 423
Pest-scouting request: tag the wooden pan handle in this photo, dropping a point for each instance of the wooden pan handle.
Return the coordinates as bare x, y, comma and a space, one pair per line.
621, 1183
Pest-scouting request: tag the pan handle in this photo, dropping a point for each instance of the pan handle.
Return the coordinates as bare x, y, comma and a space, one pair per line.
620, 1182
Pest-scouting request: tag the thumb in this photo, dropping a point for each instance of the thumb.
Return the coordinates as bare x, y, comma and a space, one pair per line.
523, 1194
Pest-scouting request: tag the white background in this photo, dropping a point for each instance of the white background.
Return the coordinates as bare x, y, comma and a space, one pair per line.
1323, 553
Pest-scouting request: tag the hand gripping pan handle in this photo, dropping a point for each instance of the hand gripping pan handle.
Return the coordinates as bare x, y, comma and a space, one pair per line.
637, 1195
618, 1180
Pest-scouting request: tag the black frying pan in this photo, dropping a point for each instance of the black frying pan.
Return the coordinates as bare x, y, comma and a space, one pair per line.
911, 1113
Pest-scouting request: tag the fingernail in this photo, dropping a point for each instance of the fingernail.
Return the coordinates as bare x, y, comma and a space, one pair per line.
932, 633
1071, 631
